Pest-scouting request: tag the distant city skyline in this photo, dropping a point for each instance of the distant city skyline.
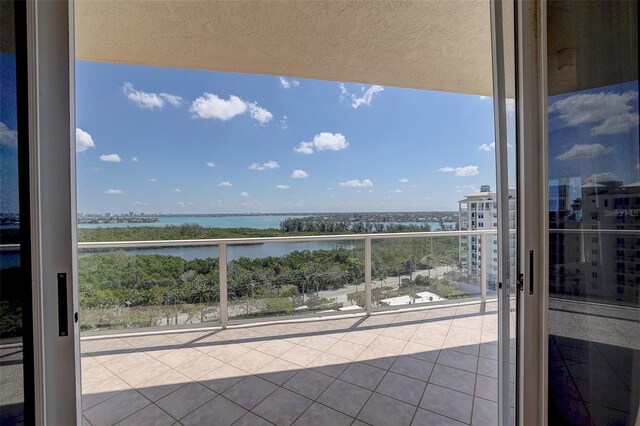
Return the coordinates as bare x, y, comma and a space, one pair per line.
186, 141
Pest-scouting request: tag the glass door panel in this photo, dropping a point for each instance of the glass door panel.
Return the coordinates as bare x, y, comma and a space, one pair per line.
594, 213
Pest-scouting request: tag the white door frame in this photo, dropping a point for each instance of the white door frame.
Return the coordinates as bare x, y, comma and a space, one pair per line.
53, 204
532, 214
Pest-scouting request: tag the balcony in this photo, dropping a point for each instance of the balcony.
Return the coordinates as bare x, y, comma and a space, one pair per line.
319, 347
434, 365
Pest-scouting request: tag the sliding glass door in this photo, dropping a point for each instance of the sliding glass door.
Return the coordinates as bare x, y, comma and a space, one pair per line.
593, 213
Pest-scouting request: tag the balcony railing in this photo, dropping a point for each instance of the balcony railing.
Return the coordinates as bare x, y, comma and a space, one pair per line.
250, 296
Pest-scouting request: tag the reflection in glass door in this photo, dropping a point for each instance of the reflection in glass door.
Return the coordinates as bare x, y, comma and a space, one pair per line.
16, 362
594, 213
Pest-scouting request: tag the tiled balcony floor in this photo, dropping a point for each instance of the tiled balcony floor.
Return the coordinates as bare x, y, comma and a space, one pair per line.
424, 367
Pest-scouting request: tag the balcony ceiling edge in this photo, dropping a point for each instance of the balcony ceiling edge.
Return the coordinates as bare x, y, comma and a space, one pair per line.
432, 45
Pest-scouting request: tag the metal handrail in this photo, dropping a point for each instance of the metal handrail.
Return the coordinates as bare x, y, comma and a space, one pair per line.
258, 240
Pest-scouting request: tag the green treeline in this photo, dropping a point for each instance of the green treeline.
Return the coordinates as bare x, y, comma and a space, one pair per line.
119, 290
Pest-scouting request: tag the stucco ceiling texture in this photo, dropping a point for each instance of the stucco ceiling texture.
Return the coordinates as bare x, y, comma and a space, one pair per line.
434, 45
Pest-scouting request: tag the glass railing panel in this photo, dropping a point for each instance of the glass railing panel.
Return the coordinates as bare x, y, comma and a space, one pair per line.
137, 287
429, 269
275, 279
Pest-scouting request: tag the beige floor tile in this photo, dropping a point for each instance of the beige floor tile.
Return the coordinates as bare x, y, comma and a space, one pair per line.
143, 373
95, 374
345, 397
97, 347
404, 332
377, 358
319, 342
412, 367
252, 361
458, 360
329, 364
251, 419
488, 350
102, 390
282, 407
389, 344
427, 338
319, 415
300, 355
384, 411
485, 413
222, 378
199, 366
225, 352
363, 375
424, 417
402, 387
116, 409
487, 388
218, 411
155, 341
186, 399
423, 352
150, 415
179, 356
248, 392
275, 347
120, 363
452, 378
278, 371
162, 385
348, 350
309, 383
488, 367
360, 337
447, 402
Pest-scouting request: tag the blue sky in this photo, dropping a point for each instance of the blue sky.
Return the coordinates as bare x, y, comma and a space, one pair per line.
593, 136
276, 144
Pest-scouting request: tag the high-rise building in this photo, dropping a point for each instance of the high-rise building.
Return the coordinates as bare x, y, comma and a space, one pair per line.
478, 211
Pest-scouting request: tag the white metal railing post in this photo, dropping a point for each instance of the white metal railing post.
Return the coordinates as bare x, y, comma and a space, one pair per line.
222, 266
367, 275
484, 266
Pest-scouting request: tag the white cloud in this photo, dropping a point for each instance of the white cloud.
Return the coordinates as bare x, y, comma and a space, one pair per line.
366, 183
304, 148
113, 191
111, 158
181, 204
259, 113
84, 141
323, 141
152, 179
365, 99
211, 106
140, 203
602, 177
283, 187
172, 99
486, 98
404, 180
9, 137
245, 194
488, 147
149, 100
299, 174
584, 152
397, 191
210, 164
269, 165
287, 84
461, 171
134, 159
622, 123
226, 183
283, 123
177, 190
613, 111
